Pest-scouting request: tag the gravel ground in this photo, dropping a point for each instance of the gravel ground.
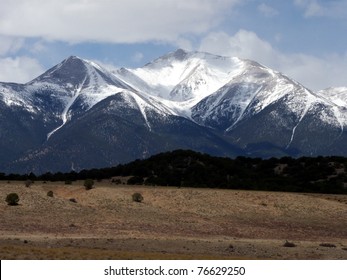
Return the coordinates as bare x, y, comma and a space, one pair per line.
171, 223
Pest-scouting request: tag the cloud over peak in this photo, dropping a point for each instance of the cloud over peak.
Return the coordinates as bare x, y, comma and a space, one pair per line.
313, 72
121, 21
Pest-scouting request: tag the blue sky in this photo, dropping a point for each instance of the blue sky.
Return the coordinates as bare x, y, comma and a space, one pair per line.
305, 39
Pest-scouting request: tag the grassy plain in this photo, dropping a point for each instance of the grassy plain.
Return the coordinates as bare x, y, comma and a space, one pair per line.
171, 223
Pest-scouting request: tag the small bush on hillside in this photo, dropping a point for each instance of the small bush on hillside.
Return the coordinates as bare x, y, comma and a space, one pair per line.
135, 180
28, 183
116, 181
12, 199
329, 245
68, 182
289, 244
88, 184
137, 197
50, 193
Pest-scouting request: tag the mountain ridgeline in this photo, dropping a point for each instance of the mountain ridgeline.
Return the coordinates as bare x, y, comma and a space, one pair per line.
79, 115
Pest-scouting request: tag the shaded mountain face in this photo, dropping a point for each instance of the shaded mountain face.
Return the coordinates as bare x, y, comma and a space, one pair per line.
80, 115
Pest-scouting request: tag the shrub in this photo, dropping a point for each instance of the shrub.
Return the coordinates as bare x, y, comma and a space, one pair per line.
289, 244
231, 248
68, 182
50, 193
135, 180
116, 181
137, 197
88, 184
12, 199
329, 245
28, 183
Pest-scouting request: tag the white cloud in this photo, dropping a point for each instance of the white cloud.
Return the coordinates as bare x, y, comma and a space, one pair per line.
38, 47
313, 72
121, 21
10, 44
311, 7
30, 26
20, 69
331, 9
267, 10
137, 57
243, 44
185, 44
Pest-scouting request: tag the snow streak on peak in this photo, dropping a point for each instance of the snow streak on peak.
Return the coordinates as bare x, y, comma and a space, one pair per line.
64, 115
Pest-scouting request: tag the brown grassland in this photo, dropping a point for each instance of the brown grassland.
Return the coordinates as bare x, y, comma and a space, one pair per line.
170, 223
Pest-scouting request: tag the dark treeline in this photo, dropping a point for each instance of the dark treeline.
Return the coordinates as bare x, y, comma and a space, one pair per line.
191, 169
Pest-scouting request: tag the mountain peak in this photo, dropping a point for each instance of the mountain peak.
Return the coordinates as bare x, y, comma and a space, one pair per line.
72, 70
72, 57
180, 54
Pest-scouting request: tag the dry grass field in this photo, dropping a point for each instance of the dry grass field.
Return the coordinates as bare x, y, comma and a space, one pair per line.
171, 223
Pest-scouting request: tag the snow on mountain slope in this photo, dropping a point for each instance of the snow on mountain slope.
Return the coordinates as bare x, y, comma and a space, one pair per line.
74, 81
148, 107
64, 114
14, 95
199, 86
94, 82
220, 92
253, 90
183, 77
73, 86
248, 92
212, 89
336, 95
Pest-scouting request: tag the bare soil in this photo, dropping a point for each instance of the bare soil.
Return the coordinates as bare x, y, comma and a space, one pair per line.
171, 223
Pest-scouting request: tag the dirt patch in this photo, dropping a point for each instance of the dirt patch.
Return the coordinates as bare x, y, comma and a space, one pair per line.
170, 223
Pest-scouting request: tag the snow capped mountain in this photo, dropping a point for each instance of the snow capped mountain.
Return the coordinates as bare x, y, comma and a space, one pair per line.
185, 76
211, 89
75, 77
80, 114
248, 93
74, 83
181, 79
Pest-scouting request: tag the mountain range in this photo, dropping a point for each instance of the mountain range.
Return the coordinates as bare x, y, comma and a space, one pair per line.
80, 115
